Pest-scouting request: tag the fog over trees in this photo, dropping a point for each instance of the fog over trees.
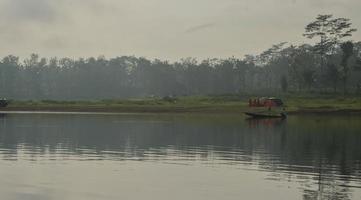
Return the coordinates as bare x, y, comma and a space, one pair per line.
332, 65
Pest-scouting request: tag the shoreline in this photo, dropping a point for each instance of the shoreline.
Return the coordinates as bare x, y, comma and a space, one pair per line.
171, 110
233, 105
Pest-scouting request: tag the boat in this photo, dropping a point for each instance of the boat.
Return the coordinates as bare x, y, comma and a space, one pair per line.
266, 115
266, 107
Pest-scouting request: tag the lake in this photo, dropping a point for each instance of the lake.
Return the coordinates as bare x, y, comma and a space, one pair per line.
96, 156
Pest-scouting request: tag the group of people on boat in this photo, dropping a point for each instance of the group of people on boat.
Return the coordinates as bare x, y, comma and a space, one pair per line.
265, 102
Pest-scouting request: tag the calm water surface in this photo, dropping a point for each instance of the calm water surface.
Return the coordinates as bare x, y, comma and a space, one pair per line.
73, 156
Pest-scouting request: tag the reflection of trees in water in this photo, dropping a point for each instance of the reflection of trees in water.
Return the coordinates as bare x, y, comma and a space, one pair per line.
292, 149
329, 186
331, 154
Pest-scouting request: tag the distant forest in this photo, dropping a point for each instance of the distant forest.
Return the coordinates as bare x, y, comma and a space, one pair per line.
331, 65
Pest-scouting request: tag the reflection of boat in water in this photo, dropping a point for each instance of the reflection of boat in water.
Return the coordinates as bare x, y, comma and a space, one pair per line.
266, 108
265, 122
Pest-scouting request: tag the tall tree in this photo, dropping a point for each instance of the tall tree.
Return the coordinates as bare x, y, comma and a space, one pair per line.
331, 31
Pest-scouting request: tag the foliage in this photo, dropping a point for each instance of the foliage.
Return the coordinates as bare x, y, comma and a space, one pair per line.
330, 31
282, 68
284, 84
347, 52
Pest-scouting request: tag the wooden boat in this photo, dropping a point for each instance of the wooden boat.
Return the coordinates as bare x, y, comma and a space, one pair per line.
266, 108
266, 115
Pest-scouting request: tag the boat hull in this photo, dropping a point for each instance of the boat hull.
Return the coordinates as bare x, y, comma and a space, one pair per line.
266, 115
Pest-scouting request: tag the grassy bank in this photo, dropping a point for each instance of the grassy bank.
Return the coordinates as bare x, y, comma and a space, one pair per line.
193, 104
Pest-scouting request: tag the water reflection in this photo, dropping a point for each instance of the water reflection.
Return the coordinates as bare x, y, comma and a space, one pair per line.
320, 154
265, 122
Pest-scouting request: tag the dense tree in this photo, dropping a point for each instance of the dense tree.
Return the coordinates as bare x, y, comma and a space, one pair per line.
332, 75
284, 83
291, 68
347, 51
329, 64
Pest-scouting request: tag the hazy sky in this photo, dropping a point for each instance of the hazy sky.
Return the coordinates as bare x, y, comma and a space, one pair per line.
166, 29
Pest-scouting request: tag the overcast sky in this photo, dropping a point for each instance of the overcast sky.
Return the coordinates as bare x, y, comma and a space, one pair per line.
166, 29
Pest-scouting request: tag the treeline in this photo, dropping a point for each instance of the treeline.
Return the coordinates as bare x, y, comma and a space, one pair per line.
330, 66
121, 77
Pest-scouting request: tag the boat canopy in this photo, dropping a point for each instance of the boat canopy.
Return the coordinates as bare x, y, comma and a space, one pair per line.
275, 101
266, 102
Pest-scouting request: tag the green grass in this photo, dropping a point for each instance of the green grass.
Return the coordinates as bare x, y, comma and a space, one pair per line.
215, 104
323, 103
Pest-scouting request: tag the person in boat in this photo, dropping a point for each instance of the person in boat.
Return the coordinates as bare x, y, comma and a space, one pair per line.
272, 102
